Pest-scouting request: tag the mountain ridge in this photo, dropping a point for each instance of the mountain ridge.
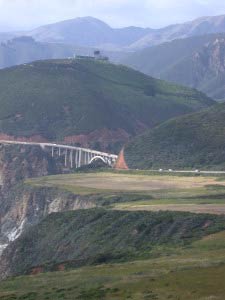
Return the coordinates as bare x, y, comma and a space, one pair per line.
100, 34
89, 32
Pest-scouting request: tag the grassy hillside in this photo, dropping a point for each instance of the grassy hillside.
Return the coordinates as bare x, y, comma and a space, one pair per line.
185, 61
99, 236
192, 141
186, 275
60, 98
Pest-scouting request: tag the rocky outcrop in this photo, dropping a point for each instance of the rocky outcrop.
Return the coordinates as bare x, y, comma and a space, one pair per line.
212, 56
18, 163
24, 206
121, 162
19, 205
209, 66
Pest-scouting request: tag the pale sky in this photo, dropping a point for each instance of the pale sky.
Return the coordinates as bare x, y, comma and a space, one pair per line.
27, 14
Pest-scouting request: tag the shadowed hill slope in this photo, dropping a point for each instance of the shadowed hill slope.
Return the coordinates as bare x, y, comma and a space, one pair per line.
192, 141
87, 102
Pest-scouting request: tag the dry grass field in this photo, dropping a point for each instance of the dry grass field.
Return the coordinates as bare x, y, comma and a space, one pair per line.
198, 194
127, 182
218, 209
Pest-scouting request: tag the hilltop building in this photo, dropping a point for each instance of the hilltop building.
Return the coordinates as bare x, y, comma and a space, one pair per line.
97, 56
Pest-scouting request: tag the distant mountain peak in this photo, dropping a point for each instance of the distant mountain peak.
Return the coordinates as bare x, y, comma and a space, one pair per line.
87, 19
88, 32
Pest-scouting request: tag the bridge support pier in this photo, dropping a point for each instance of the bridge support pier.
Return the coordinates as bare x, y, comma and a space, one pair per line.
80, 158
66, 157
71, 158
76, 158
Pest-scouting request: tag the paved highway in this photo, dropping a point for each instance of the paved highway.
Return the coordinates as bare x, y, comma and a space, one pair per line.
189, 171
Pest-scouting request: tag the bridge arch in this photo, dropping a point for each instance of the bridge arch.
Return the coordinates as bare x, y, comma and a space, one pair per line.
95, 158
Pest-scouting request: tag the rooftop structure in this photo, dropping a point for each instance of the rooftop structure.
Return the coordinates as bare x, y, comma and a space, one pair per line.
97, 56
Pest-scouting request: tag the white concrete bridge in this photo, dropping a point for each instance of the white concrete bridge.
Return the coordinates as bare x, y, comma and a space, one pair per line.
74, 157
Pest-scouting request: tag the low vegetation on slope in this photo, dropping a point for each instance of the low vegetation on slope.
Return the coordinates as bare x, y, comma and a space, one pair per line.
192, 141
60, 99
186, 275
95, 236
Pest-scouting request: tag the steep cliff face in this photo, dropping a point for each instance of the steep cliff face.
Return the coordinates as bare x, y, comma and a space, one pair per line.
18, 163
24, 206
209, 68
204, 69
211, 59
20, 205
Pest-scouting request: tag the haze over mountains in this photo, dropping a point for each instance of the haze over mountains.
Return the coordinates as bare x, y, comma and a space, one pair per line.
88, 32
190, 54
91, 32
198, 62
201, 26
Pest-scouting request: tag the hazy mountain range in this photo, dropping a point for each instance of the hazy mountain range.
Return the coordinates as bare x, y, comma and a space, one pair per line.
201, 26
91, 32
191, 54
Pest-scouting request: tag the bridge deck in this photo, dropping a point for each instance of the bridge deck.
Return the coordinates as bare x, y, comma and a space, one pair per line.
43, 145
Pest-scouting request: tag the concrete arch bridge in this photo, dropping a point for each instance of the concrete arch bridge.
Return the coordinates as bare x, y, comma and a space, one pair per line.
74, 157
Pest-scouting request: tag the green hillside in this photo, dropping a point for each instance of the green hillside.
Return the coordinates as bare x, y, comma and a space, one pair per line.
59, 98
100, 236
192, 141
194, 62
